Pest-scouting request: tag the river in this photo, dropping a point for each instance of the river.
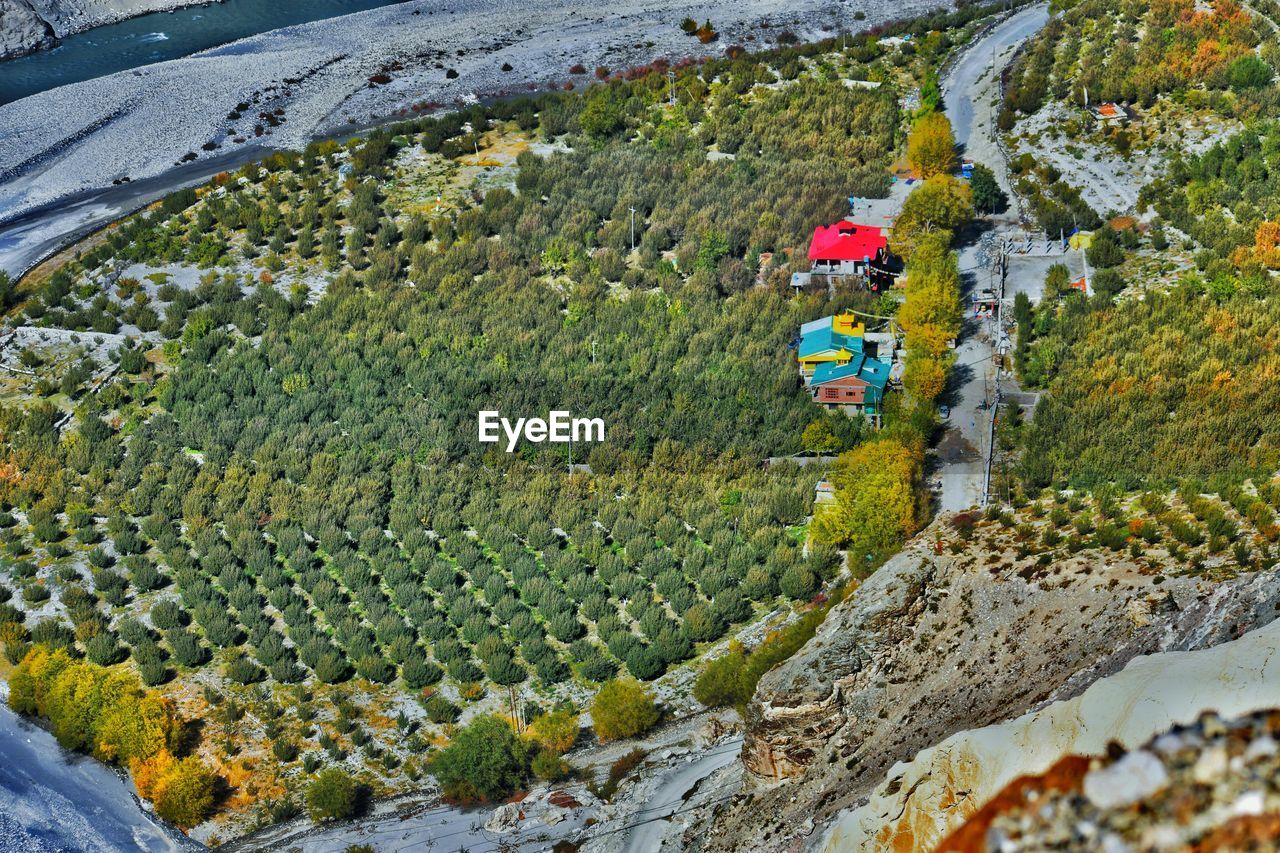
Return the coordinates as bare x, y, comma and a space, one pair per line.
51, 799
160, 36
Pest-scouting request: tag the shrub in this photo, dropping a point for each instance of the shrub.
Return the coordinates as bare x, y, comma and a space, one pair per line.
556, 731
619, 770
331, 796
441, 710
549, 766
484, 762
623, 709
721, 682
285, 750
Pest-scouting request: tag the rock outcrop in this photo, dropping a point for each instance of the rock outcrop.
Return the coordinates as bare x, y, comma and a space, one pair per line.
21, 29
1208, 786
926, 799
949, 636
30, 25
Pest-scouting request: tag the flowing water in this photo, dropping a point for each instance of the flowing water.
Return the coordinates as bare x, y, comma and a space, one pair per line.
160, 36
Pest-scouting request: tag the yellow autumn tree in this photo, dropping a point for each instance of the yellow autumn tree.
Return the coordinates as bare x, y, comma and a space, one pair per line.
623, 708
875, 507
137, 727
147, 772
184, 795
926, 375
941, 203
930, 316
1266, 244
106, 711
931, 148
556, 731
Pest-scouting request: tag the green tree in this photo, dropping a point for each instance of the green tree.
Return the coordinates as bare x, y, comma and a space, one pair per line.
1249, 72
987, 195
818, 437
720, 684
331, 796
600, 117
485, 761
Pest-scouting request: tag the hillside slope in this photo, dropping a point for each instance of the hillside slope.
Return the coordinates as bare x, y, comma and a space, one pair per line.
952, 635
22, 30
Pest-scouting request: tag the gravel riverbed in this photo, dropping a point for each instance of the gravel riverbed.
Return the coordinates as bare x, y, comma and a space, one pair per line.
315, 79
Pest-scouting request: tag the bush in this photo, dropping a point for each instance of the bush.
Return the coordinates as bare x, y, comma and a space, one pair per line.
441, 710
486, 761
556, 731
185, 795
285, 750
721, 683
331, 796
623, 709
619, 770
549, 766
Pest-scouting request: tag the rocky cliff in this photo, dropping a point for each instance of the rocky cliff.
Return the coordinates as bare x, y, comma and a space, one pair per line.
953, 635
21, 29
1210, 785
922, 801
29, 25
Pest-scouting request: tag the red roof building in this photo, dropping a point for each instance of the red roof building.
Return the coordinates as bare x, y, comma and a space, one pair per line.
845, 243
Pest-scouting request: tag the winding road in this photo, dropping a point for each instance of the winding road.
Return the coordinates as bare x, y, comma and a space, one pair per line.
971, 98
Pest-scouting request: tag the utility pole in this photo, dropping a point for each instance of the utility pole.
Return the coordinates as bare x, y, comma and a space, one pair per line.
1084, 259
633, 229
671, 82
593, 350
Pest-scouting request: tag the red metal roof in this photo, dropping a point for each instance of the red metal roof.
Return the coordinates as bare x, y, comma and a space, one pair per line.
845, 241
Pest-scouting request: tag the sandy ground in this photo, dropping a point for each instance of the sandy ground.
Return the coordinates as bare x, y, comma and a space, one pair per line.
138, 124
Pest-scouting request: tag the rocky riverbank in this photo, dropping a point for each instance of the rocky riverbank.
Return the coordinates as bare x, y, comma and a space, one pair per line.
319, 78
30, 25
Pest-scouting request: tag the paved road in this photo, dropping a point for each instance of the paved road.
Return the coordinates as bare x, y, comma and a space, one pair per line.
962, 83
673, 790
51, 799
969, 92
30, 238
